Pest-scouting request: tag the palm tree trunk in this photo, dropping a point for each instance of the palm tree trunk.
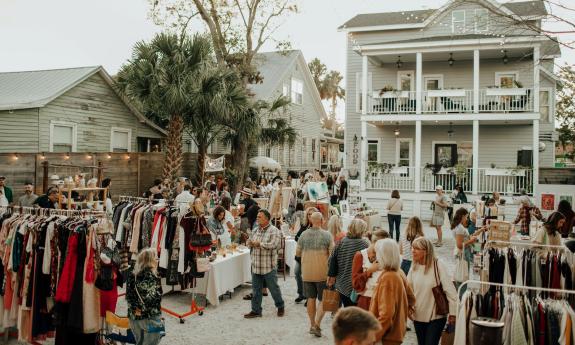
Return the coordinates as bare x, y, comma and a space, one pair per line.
202, 153
240, 162
174, 156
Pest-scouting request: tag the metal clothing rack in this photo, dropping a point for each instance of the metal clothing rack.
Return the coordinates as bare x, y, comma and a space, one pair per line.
51, 212
525, 244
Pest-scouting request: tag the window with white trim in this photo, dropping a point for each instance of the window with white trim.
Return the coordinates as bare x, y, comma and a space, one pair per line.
481, 20
358, 88
63, 136
296, 91
372, 151
458, 21
120, 140
313, 149
545, 102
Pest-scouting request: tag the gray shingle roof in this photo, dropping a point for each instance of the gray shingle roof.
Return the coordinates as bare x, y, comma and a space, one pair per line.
524, 8
34, 89
272, 66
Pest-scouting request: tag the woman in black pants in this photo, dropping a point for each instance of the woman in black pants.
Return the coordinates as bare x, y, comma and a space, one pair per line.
394, 208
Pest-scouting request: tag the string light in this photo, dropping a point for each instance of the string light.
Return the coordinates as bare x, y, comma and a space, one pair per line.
42, 156
89, 156
67, 155
109, 156
16, 156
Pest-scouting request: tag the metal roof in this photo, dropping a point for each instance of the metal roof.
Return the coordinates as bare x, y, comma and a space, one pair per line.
35, 89
524, 8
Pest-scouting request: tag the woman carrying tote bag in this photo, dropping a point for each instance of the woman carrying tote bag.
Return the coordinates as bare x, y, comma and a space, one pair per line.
435, 295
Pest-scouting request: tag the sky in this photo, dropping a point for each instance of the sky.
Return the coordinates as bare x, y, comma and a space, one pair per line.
40, 34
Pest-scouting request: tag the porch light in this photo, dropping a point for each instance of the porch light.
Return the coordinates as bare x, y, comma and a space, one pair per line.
505, 58
399, 63
396, 131
450, 132
451, 61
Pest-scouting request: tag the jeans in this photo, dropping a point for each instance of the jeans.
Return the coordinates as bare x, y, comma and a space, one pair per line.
346, 301
394, 221
429, 333
405, 266
271, 279
140, 330
298, 279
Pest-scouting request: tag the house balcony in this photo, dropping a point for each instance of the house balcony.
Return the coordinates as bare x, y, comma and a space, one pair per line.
489, 180
451, 101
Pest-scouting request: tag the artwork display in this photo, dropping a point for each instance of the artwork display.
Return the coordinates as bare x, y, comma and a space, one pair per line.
547, 202
317, 191
279, 201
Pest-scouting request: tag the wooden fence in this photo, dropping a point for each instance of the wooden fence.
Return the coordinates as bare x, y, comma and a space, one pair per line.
131, 173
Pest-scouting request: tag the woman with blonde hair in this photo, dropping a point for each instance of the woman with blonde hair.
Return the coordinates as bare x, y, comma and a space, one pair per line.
365, 271
144, 297
335, 228
341, 260
414, 230
393, 298
427, 273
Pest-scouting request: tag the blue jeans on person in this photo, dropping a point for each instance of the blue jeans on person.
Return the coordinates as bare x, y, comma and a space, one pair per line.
405, 266
298, 280
429, 333
394, 221
271, 280
141, 330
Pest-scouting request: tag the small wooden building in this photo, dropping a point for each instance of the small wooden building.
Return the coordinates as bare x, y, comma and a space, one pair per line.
70, 110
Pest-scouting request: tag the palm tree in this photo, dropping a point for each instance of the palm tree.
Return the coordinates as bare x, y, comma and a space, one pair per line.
217, 96
160, 76
318, 71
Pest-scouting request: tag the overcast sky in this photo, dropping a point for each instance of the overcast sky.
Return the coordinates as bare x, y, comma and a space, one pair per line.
40, 34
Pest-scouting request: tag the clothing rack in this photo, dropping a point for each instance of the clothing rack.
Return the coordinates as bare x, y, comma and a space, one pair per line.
140, 199
526, 244
51, 212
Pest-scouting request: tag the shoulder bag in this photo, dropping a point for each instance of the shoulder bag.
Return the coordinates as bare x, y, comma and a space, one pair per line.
441, 303
201, 236
159, 326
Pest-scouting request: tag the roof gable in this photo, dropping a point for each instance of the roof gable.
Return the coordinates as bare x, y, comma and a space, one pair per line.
35, 89
422, 18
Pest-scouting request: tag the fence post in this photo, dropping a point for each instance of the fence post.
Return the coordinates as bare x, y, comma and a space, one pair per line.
100, 173
44, 176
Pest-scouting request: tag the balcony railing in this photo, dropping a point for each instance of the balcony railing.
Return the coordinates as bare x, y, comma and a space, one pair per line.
489, 180
493, 100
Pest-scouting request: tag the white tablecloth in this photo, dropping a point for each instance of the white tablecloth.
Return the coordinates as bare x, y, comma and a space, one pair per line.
290, 248
226, 274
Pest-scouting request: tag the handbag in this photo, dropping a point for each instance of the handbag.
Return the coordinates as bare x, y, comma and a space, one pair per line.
105, 279
203, 264
330, 299
441, 303
354, 296
461, 269
485, 331
201, 236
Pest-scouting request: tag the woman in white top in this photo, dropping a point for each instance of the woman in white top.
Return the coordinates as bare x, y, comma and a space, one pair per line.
427, 273
365, 271
414, 230
549, 233
394, 208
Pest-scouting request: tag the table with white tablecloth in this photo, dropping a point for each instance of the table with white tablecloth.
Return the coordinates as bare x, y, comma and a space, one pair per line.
226, 274
372, 221
290, 248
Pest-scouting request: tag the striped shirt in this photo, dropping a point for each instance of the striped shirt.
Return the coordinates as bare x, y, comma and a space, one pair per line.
265, 257
405, 247
340, 266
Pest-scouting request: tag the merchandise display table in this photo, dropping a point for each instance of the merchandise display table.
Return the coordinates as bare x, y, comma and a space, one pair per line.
226, 274
373, 220
290, 248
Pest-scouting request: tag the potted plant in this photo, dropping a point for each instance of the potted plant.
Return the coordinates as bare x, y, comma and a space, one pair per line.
386, 88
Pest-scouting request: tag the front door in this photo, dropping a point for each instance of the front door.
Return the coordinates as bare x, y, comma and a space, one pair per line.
446, 155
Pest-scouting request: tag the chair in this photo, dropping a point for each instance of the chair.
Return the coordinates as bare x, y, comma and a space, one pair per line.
282, 258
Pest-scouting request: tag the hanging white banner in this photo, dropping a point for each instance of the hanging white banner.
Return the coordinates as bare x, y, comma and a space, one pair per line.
214, 164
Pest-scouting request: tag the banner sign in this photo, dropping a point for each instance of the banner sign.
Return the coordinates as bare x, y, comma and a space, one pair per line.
214, 164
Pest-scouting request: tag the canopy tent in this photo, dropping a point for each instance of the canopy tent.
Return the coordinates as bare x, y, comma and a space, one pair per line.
262, 164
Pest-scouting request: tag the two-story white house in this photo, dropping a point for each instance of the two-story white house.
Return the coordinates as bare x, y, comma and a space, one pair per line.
463, 94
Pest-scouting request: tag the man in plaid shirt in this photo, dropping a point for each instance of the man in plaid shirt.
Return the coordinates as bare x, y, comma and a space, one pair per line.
525, 213
265, 243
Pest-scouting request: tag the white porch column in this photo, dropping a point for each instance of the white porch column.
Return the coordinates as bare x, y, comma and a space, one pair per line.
417, 201
363, 155
476, 81
418, 82
536, 74
535, 155
364, 85
475, 175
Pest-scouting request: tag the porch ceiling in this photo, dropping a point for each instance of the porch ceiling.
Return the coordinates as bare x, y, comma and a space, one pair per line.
513, 54
446, 123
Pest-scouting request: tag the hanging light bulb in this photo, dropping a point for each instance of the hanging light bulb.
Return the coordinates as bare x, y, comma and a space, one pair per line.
505, 58
451, 61
16, 157
42, 156
396, 131
89, 156
399, 63
109, 156
67, 155
450, 132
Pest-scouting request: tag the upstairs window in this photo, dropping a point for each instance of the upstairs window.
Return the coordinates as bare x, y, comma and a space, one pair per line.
458, 21
481, 20
62, 137
296, 91
121, 139
285, 89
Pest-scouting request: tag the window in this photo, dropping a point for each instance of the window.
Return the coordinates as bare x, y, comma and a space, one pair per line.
121, 140
506, 79
405, 81
372, 151
545, 105
465, 153
481, 20
285, 89
313, 150
403, 152
304, 151
358, 88
62, 136
269, 152
458, 21
296, 91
